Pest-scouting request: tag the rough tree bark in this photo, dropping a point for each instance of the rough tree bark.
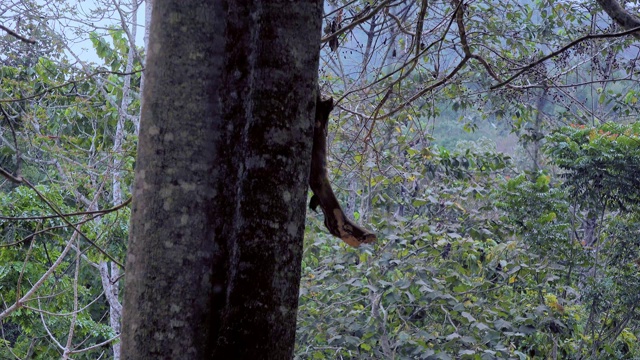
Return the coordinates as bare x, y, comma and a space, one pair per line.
213, 264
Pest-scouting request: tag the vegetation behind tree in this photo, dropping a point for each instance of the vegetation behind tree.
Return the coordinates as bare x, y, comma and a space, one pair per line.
491, 146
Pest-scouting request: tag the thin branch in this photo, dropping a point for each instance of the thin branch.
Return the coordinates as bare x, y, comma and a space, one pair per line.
427, 89
24, 266
93, 347
414, 62
77, 230
462, 31
13, 179
103, 211
573, 85
50, 313
399, 24
74, 316
130, 36
44, 324
356, 22
561, 50
16, 35
84, 78
340, 8
29, 294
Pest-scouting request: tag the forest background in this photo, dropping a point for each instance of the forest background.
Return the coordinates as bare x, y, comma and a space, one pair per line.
491, 145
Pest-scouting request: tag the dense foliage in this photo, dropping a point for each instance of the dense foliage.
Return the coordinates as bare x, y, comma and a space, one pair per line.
490, 263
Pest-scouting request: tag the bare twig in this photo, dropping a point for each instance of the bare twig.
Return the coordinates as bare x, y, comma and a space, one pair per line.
84, 78
16, 35
563, 49
99, 212
10, 177
93, 347
55, 209
74, 316
356, 22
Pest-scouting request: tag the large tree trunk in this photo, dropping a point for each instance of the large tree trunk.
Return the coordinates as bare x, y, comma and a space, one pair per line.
621, 16
217, 223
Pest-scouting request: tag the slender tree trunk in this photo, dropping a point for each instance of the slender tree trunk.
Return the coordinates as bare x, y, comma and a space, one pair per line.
217, 221
110, 283
148, 11
621, 16
111, 279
